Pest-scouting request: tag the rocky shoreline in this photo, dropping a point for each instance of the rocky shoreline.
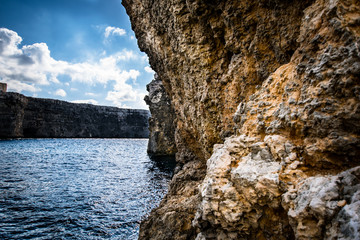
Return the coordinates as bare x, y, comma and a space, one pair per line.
27, 117
266, 105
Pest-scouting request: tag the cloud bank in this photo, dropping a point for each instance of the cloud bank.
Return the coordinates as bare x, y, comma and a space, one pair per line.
30, 67
114, 31
87, 101
60, 92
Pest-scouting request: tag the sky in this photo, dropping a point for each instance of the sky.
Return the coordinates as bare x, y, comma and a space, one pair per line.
81, 51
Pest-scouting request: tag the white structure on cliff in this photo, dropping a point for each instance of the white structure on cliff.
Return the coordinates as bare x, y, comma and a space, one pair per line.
3, 87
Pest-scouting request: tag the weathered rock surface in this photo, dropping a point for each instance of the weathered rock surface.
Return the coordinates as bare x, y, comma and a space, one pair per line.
325, 207
12, 107
277, 82
42, 118
161, 122
244, 195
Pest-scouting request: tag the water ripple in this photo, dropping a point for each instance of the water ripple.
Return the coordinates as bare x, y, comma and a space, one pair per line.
77, 188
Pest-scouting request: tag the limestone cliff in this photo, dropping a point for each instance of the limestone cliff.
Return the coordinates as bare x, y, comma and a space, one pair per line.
47, 118
161, 122
266, 96
12, 107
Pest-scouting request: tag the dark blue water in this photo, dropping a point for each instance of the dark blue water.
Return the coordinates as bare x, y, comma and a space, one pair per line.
77, 188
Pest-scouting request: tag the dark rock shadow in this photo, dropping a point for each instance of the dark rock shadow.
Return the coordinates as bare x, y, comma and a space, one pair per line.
165, 164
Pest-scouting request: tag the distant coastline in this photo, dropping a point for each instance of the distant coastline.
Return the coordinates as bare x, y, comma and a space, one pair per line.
28, 117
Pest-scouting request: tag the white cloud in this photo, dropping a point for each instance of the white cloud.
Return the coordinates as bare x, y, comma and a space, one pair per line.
140, 103
117, 98
60, 92
32, 64
9, 40
28, 67
121, 96
149, 69
88, 101
134, 98
17, 86
90, 94
126, 55
114, 31
123, 77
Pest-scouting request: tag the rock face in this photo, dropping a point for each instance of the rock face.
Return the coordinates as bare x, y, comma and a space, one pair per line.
12, 107
161, 122
47, 118
266, 96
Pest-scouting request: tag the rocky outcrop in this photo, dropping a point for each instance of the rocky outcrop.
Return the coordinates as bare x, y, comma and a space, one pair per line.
245, 194
267, 106
162, 121
47, 118
12, 107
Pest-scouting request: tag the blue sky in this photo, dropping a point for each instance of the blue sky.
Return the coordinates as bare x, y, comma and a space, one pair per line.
72, 50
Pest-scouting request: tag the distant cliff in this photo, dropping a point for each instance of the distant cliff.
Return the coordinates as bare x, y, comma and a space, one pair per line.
266, 96
29, 117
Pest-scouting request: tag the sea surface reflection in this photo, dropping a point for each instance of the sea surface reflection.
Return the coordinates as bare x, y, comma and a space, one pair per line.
77, 188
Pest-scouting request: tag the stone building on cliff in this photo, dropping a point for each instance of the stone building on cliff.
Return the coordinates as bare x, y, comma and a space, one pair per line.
3, 87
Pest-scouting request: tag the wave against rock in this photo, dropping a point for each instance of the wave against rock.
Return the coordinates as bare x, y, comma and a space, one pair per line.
276, 83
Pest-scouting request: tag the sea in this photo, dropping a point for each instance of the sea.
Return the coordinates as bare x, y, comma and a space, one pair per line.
78, 188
